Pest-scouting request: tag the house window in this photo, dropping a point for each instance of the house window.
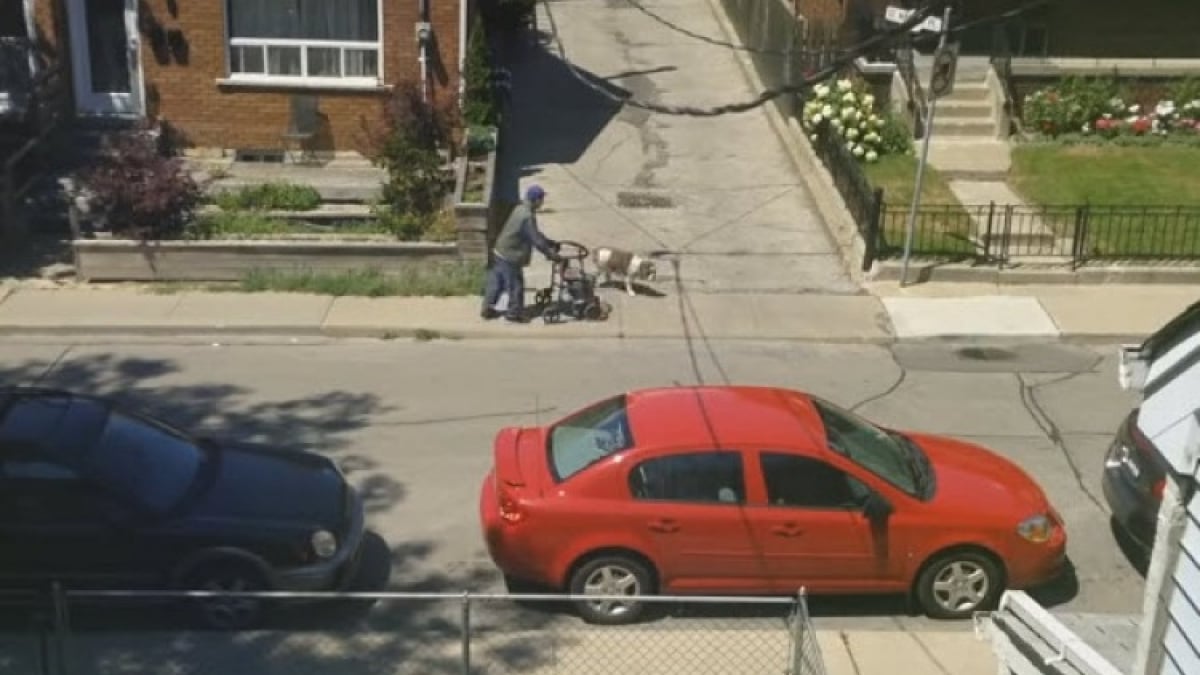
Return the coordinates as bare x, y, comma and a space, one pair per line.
305, 39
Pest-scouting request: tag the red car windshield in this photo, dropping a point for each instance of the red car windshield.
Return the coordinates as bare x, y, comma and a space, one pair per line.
589, 436
885, 454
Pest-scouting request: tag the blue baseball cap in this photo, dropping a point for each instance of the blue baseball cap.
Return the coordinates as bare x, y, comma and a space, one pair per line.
534, 193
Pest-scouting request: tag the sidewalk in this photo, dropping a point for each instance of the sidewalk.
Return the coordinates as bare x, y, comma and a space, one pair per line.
929, 311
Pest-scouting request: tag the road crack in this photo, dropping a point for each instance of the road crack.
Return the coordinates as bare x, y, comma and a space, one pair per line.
1044, 422
890, 390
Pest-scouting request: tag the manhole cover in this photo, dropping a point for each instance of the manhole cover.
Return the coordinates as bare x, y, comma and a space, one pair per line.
644, 200
986, 354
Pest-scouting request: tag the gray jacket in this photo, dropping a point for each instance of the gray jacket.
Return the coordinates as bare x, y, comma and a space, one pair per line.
520, 235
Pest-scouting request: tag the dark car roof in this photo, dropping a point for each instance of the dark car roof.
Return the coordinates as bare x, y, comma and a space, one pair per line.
720, 416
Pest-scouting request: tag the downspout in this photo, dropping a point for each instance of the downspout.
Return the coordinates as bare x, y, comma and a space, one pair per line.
463, 27
423, 56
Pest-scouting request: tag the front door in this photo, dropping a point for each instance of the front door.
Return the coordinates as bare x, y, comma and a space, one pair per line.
105, 55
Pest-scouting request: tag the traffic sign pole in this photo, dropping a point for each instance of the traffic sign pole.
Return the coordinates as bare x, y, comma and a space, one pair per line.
920, 183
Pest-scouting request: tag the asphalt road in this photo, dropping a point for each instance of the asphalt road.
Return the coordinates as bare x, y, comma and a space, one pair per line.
412, 422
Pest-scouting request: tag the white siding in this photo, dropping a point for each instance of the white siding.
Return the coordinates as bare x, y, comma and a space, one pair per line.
1170, 402
1181, 641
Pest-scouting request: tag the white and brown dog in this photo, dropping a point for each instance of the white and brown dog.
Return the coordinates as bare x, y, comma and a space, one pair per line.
632, 267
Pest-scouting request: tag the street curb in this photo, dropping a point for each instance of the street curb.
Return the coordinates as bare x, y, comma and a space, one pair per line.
425, 334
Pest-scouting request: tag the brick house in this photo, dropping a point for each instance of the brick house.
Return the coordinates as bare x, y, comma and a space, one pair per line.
1064, 28
223, 73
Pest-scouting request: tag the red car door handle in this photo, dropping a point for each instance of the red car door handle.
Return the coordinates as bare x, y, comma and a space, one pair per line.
788, 530
664, 525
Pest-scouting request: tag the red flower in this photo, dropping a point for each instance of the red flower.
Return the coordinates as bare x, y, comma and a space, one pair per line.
1141, 125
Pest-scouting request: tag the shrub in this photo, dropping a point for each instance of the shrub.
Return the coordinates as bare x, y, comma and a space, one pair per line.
895, 136
846, 109
1184, 92
270, 196
235, 225
1074, 105
479, 99
406, 146
140, 192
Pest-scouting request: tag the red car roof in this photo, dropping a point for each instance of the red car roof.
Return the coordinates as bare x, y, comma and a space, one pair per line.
724, 416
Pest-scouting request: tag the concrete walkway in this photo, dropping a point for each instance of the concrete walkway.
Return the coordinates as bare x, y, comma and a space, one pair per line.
719, 193
928, 311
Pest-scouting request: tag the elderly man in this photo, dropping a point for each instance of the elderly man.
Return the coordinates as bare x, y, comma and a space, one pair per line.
512, 254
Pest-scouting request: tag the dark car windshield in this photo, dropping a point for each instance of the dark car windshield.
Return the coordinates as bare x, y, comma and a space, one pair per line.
588, 437
144, 461
130, 457
877, 450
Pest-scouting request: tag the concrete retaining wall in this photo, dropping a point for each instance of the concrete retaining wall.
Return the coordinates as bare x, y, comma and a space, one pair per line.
126, 260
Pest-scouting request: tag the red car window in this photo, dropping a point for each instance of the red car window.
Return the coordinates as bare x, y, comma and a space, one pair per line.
792, 480
589, 436
706, 477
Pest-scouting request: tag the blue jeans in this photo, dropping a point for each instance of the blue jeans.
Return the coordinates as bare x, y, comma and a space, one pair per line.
505, 277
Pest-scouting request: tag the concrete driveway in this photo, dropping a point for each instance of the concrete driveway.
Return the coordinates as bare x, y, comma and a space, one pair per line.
718, 194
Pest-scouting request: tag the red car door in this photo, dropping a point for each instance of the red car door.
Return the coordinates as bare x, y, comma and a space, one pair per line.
692, 505
811, 528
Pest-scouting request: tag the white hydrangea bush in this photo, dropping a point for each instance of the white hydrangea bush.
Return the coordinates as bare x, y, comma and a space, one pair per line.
846, 109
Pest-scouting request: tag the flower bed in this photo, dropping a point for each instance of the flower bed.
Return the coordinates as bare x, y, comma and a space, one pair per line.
1099, 108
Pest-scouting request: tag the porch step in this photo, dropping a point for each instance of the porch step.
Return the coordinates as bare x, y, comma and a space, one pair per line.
968, 91
963, 126
968, 108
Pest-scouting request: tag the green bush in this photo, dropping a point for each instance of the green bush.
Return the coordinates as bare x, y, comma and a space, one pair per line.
895, 136
1073, 105
279, 196
235, 225
407, 149
479, 99
1184, 91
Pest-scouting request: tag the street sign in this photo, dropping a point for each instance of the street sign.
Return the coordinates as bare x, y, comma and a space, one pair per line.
898, 15
945, 63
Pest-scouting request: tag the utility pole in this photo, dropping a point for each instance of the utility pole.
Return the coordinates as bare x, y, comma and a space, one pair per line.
941, 82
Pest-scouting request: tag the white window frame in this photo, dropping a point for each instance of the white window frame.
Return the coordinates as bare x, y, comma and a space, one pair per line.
304, 80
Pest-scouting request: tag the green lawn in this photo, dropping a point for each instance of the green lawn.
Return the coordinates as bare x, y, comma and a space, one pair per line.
943, 226
1158, 187
1158, 175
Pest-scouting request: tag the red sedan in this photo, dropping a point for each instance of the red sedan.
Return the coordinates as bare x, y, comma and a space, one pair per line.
755, 490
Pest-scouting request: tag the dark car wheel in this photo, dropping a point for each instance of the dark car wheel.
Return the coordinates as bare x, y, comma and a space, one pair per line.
226, 613
611, 575
958, 584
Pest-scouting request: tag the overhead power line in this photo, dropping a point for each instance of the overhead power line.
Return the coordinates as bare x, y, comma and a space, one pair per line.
830, 70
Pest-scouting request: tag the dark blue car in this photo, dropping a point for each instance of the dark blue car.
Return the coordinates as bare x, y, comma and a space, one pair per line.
98, 496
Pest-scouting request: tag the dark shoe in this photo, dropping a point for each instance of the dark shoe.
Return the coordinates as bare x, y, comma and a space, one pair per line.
488, 314
516, 318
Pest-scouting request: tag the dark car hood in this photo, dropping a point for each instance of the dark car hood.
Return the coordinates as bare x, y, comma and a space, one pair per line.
973, 479
269, 486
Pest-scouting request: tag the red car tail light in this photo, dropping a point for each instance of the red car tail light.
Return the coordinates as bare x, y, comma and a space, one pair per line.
510, 508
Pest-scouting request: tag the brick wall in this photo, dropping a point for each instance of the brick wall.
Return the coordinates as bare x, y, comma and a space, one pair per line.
184, 91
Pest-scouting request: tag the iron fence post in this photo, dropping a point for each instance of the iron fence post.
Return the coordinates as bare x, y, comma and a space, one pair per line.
987, 233
871, 245
466, 633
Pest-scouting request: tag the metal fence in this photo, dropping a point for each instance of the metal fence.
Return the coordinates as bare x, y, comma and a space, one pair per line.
130, 633
1066, 234
864, 201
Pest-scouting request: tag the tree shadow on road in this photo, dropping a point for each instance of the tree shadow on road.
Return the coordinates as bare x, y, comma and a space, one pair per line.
347, 637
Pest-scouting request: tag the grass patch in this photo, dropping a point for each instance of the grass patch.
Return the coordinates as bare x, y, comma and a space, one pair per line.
1143, 198
250, 225
943, 227
279, 196
432, 279
1150, 175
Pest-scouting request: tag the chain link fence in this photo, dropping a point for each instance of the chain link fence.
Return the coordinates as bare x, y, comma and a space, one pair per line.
130, 633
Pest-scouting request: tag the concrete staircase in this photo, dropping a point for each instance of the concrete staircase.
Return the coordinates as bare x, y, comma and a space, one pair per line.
971, 150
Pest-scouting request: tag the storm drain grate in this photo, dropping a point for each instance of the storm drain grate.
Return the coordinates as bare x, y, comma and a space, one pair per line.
985, 354
644, 200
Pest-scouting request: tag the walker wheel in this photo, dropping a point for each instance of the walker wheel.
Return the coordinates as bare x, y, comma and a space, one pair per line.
542, 297
596, 311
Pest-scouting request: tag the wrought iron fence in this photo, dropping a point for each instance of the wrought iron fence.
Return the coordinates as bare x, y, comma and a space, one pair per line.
103, 633
864, 201
1061, 234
